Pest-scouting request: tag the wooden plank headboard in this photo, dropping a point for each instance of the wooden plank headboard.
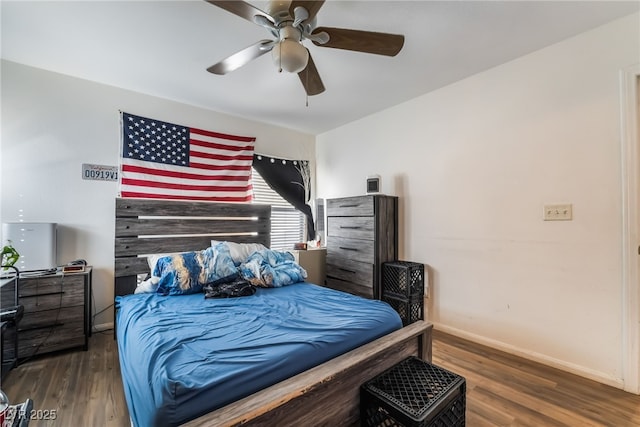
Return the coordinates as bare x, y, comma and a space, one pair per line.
145, 227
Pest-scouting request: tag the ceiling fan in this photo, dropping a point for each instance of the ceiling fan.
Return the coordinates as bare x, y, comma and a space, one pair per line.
292, 22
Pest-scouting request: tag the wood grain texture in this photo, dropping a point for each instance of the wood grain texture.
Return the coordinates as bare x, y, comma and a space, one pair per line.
502, 390
55, 313
351, 206
506, 390
350, 249
327, 394
357, 272
146, 227
9, 292
349, 286
141, 226
353, 227
146, 207
362, 234
83, 387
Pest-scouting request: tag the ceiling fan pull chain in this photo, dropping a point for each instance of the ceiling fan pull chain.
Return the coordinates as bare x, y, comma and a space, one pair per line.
306, 94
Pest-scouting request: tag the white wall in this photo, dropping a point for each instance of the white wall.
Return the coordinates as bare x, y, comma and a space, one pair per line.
474, 163
52, 124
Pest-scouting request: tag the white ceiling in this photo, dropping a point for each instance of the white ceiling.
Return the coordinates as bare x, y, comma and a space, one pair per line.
163, 48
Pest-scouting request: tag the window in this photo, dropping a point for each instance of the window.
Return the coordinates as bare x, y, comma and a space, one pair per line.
287, 224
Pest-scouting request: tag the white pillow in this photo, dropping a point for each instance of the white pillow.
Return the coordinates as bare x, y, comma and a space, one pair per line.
241, 251
148, 286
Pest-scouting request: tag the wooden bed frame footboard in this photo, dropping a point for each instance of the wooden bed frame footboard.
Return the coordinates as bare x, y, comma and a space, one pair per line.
328, 394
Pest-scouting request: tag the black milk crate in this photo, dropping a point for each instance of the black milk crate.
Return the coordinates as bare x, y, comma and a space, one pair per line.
413, 393
409, 309
403, 278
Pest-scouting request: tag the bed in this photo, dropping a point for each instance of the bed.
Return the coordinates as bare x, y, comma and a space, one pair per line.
291, 355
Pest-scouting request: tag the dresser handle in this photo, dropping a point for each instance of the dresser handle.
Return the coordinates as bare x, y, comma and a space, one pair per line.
41, 295
348, 249
349, 206
346, 227
33, 328
347, 270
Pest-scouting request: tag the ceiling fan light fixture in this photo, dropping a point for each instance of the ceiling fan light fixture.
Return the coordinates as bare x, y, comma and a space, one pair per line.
290, 55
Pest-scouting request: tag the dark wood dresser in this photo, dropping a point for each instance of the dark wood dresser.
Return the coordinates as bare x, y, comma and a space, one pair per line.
362, 233
8, 336
57, 312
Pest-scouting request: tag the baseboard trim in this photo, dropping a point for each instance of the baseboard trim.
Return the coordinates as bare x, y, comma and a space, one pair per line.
533, 356
103, 327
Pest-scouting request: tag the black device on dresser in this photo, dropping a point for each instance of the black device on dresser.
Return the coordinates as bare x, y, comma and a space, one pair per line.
57, 312
362, 233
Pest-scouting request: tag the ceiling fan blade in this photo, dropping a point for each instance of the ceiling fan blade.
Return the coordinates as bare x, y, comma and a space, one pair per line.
241, 8
239, 59
312, 6
362, 41
311, 79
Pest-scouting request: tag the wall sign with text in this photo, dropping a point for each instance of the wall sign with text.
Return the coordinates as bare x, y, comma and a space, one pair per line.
99, 172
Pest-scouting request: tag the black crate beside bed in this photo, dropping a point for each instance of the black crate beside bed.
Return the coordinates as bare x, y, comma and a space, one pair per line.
414, 393
325, 394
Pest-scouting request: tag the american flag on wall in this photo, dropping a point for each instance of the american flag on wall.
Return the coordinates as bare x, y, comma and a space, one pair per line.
163, 160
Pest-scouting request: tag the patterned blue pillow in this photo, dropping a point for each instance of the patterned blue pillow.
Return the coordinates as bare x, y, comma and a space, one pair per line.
272, 269
187, 273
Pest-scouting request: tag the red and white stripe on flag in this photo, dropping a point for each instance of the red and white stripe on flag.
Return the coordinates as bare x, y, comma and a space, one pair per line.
161, 160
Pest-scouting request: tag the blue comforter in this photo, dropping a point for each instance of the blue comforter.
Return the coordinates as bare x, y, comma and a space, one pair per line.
184, 356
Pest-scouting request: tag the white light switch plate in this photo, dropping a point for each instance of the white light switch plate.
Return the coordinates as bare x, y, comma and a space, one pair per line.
558, 212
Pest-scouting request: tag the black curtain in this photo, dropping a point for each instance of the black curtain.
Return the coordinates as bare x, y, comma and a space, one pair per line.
284, 177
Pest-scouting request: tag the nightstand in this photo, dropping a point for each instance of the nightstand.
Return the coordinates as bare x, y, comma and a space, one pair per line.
313, 261
57, 312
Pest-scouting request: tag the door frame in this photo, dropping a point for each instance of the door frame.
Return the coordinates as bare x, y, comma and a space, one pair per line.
630, 156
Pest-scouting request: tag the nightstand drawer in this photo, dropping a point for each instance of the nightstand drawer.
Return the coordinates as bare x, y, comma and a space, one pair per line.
351, 227
64, 315
353, 249
51, 338
351, 206
49, 297
49, 283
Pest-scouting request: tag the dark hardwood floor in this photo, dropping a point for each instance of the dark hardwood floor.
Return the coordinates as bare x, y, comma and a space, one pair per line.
505, 390
502, 390
83, 387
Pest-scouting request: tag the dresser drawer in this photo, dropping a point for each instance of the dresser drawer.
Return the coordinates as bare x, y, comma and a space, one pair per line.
351, 206
63, 316
44, 284
48, 293
51, 338
350, 287
352, 227
353, 249
351, 271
